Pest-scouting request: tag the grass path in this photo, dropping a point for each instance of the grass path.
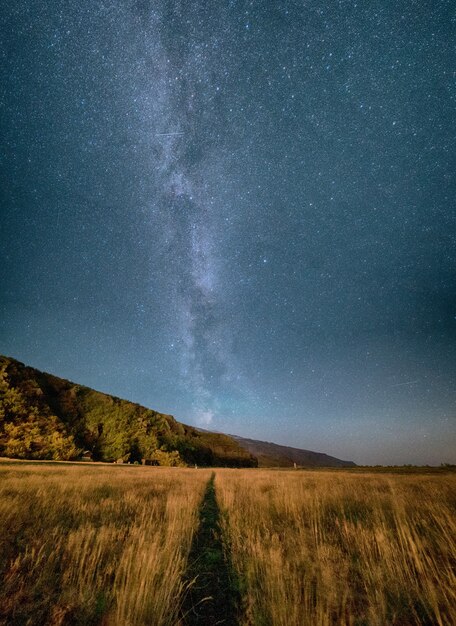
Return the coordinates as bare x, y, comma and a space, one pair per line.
213, 597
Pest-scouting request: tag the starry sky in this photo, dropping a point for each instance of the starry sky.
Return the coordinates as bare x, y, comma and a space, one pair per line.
239, 213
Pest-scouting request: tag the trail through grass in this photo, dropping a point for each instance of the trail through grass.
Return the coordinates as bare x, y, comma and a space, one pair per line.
139, 546
212, 597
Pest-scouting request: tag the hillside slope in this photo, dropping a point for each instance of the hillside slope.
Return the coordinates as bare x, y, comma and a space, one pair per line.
274, 455
46, 417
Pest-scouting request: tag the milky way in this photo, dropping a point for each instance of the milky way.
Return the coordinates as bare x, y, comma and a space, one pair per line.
241, 213
185, 214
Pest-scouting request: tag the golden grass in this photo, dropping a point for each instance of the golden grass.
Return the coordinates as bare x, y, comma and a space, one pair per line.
95, 544
108, 545
317, 548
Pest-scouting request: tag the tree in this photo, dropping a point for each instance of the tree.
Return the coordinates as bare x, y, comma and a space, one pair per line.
168, 459
26, 432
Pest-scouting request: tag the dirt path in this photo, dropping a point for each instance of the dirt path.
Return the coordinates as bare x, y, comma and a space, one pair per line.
213, 597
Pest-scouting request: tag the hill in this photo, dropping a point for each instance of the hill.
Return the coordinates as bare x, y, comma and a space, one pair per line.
46, 417
273, 455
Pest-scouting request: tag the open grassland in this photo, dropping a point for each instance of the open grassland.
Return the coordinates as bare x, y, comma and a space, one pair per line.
89, 545
316, 548
134, 546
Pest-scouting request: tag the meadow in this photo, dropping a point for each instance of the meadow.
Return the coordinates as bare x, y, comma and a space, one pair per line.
337, 547
95, 544
112, 545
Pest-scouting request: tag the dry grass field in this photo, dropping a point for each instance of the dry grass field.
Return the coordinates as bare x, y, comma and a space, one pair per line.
95, 544
109, 545
316, 548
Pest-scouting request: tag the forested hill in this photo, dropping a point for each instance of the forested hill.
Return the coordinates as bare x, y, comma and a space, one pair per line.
46, 417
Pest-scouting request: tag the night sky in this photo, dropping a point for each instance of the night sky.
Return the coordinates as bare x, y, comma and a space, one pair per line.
239, 213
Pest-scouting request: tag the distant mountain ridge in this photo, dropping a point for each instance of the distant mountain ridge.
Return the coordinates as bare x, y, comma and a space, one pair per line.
46, 417
275, 455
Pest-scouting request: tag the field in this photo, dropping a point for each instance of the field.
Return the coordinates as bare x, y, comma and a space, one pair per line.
95, 544
342, 548
120, 546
